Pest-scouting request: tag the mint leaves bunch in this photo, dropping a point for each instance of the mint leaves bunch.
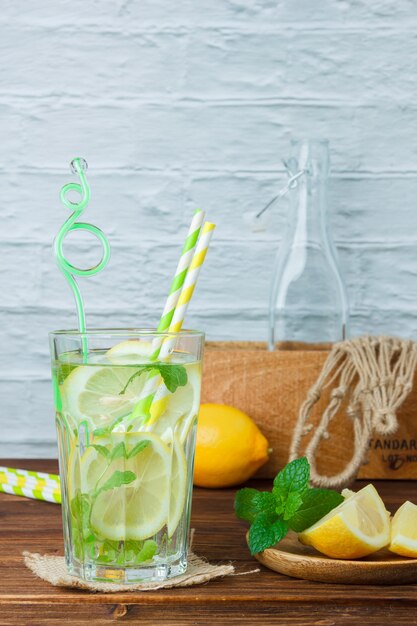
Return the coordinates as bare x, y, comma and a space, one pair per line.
291, 504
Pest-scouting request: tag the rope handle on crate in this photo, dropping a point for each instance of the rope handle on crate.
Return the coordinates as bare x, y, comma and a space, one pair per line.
375, 375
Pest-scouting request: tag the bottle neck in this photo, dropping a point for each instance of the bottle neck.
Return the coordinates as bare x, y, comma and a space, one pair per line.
308, 213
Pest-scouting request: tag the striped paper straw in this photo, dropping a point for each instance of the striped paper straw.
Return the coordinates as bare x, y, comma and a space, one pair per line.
178, 281
189, 285
20, 477
181, 271
45, 494
31, 484
186, 258
154, 389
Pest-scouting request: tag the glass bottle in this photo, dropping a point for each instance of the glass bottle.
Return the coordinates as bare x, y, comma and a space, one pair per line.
308, 302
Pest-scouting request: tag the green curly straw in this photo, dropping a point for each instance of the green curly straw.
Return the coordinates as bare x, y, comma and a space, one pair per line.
78, 166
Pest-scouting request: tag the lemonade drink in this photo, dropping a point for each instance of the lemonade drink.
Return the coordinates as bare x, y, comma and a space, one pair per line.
126, 458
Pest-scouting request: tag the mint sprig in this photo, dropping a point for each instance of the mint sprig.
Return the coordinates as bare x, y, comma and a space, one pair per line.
291, 504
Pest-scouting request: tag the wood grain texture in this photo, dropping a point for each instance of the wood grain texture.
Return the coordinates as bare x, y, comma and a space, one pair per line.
291, 558
270, 387
265, 597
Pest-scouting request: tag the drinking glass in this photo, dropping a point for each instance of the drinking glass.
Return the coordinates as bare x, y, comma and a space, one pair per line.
126, 423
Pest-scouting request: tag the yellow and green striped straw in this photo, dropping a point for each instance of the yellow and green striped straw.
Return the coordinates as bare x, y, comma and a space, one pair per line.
181, 271
154, 390
189, 284
31, 484
184, 299
184, 263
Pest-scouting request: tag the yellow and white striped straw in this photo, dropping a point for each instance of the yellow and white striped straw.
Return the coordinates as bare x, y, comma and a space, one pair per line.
155, 390
35, 494
40, 478
31, 484
189, 285
181, 271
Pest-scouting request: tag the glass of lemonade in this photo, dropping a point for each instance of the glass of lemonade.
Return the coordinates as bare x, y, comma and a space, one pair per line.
126, 422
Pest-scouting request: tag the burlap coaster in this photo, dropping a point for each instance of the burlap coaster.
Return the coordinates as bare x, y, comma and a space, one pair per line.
54, 571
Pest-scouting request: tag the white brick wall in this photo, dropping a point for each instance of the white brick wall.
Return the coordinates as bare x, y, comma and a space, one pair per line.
190, 103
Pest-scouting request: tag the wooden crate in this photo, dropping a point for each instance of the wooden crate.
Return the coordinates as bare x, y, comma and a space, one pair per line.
270, 387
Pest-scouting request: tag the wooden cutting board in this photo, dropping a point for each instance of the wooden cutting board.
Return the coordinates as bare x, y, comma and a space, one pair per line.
270, 387
298, 561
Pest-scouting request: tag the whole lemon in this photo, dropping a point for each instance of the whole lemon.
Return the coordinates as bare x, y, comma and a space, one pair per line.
230, 447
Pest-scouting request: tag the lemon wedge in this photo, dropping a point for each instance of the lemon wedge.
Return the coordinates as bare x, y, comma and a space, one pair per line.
357, 527
404, 530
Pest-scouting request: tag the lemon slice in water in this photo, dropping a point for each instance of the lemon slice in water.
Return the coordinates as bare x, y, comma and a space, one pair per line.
84, 471
130, 352
178, 486
140, 509
178, 411
137, 510
94, 392
99, 391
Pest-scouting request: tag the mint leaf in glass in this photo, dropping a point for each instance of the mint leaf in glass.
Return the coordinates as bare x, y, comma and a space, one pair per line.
141, 370
150, 548
117, 479
102, 450
101, 432
138, 448
106, 430
140, 551
173, 375
119, 451
80, 507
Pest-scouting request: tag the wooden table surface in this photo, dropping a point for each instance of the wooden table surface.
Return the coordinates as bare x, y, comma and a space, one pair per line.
262, 598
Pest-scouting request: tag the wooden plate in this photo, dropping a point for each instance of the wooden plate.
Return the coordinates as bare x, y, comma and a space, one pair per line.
382, 568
